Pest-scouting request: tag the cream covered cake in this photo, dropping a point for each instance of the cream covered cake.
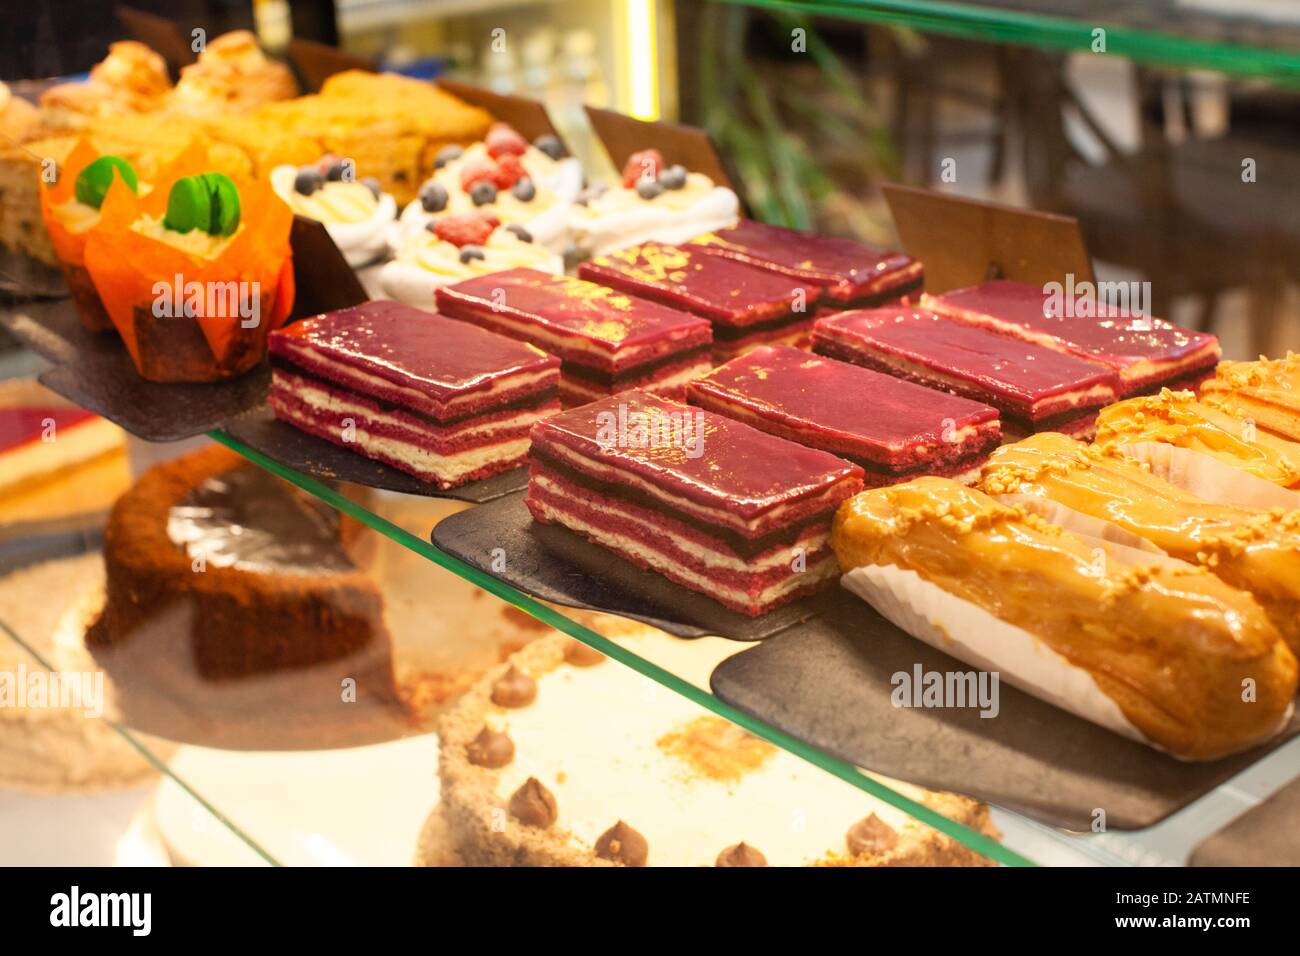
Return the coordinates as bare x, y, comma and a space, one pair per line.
655, 781
356, 212
530, 185
459, 247
654, 202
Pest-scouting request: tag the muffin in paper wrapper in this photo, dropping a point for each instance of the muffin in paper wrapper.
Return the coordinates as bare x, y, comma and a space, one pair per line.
70, 244
133, 272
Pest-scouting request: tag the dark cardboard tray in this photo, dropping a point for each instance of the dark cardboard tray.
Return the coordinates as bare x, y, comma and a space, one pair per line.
262, 432
1267, 835
556, 565
828, 682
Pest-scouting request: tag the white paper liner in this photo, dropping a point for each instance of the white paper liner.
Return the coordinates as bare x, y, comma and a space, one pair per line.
1207, 477
971, 634
1131, 548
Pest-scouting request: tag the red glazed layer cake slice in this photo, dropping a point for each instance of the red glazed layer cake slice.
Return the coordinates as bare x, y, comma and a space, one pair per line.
747, 306
708, 502
1147, 353
607, 340
891, 427
848, 273
1035, 389
442, 400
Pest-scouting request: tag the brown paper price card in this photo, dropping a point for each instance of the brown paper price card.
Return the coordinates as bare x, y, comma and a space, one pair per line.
317, 62
528, 117
690, 146
323, 280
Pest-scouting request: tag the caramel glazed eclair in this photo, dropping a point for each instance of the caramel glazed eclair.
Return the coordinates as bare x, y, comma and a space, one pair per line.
1249, 548
1170, 645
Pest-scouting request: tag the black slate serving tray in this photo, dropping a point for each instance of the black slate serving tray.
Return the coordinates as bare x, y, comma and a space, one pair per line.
556, 565
1268, 835
262, 432
828, 682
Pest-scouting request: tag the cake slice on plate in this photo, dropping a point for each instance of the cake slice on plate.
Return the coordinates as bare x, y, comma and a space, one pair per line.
442, 400
1146, 352
848, 273
1036, 389
607, 341
710, 503
747, 306
894, 429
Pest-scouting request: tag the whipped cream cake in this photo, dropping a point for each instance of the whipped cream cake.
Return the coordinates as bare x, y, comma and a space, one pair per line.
710, 503
607, 341
1035, 388
747, 306
1145, 352
442, 400
823, 403
666, 784
848, 273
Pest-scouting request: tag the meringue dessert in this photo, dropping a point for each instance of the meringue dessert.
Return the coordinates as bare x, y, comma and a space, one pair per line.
1252, 549
1170, 645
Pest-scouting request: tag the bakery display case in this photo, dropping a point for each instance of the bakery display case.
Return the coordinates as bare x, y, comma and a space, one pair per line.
401, 470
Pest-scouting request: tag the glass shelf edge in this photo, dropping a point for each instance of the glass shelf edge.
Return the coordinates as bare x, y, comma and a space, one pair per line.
1037, 30
972, 839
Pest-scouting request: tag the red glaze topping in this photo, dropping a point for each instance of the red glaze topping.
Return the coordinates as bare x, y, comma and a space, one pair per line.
739, 469
20, 425
846, 268
1003, 368
406, 346
718, 289
878, 413
1119, 341
608, 319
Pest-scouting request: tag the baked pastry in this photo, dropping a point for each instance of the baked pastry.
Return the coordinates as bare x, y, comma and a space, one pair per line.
607, 341
665, 785
1255, 550
822, 403
653, 203
850, 274
231, 75
58, 746
1146, 353
1173, 647
193, 275
356, 213
389, 125
458, 247
445, 401
1034, 388
131, 79
747, 306
1266, 392
1177, 418
710, 503
520, 183
19, 119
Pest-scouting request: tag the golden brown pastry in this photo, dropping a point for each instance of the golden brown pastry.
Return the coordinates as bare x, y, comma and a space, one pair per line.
1266, 392
1258, 551
19, 119
232, 76
1171, 646
1177, 418
131, 79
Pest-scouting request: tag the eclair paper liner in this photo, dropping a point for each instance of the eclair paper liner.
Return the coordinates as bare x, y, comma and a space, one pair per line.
1207, 477
1135, 547
971, 634
126, 265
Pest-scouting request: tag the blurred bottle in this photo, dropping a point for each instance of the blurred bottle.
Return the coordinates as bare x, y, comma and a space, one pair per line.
579, 81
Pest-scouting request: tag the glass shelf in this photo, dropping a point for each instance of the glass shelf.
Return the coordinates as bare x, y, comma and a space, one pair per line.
1179, 33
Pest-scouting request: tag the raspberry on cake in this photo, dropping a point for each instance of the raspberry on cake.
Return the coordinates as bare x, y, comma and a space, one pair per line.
747, 306
442, 400
708, 502
607, 341
820, 402
848, 272
1146, 352
1036, 388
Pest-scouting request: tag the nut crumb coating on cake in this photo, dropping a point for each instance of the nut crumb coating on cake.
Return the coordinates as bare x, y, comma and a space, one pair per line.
1179, 419
1248, 548
1170, 646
